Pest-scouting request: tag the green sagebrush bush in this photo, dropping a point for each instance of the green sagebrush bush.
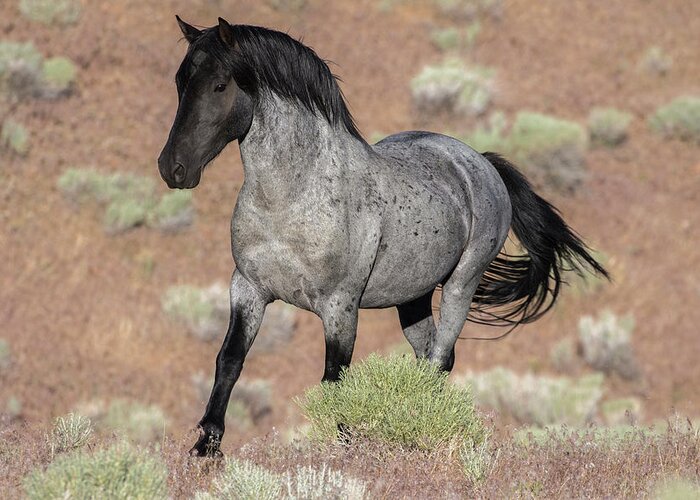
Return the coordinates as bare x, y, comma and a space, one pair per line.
396, 399
117, 472
679, 119
59, 12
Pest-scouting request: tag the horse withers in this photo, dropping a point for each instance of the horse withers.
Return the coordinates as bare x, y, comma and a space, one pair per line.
329, 223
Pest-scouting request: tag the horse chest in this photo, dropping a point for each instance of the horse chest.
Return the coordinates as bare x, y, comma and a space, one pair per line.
294, 252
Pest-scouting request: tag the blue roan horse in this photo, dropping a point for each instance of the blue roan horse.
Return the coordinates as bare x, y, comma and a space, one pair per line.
330, 223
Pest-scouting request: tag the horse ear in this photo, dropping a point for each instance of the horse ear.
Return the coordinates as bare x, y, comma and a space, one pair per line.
226, 32
191, 33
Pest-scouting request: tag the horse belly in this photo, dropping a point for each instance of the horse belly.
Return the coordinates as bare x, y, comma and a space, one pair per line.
418, 250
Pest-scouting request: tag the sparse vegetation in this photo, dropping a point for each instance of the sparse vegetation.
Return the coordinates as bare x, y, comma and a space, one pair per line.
203, 311
446, 39
288, 5
14, 137
244, 480
13, 407
538, 400
69, 433
397, 400
608, 126
477, 460
310, 483
130, 200
656, 61
58, 12
20, 69
490, 137
453, 87
679, 119
606, 344
676, 488
119, 471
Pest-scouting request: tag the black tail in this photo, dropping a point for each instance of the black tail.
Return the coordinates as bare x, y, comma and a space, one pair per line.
520, 289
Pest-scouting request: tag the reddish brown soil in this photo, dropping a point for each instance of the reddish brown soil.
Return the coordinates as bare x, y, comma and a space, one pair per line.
83, 318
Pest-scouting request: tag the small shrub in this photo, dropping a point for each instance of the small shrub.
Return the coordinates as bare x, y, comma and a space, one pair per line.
116, 472
453, 87
14, 137
309, 483
205, 312
656, 61
490, 138
133, 420
551, 150
58, 75
606, 344
395, 399
20, 69
126, 212
621, 411
679, 119
477, 461
608, 126
243, 480
173, 212
446, 38
86, 184
13, 407
69, 433
5, 355
676, 488
563, 355
59, 12
538, 400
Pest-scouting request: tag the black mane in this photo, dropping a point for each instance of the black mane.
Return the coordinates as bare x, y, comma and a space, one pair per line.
268, 60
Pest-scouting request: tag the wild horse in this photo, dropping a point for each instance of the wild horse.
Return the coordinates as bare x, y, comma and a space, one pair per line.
329, 223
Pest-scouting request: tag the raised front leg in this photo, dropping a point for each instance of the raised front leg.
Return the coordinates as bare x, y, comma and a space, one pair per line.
247, 308
340, 327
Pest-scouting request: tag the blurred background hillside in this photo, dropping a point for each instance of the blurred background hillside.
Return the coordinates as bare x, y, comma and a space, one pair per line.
111, 286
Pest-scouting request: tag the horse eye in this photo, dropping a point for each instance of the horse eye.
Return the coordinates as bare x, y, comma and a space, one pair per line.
220, 87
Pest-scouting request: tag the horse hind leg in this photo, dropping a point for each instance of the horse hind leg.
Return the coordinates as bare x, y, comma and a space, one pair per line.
457, 294
418, 325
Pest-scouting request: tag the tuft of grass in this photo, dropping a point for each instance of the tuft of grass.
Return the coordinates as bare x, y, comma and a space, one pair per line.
173, 212
13, 407
5, 355
243, 480
446, 39
656, 61
309, 483
453, 87
52, 12
119, 471
58, 75
679, 119
606, 344
69, 433
395, 399
14, 137
538, 400
608, 126
477, 461
203, 311
550, 149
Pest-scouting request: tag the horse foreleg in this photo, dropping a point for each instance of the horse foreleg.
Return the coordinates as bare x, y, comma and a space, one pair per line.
247, 308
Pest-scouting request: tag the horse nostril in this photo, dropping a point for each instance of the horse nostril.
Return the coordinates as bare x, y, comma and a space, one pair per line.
179, 172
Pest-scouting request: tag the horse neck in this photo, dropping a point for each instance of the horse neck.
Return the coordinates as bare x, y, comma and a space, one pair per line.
286, 144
